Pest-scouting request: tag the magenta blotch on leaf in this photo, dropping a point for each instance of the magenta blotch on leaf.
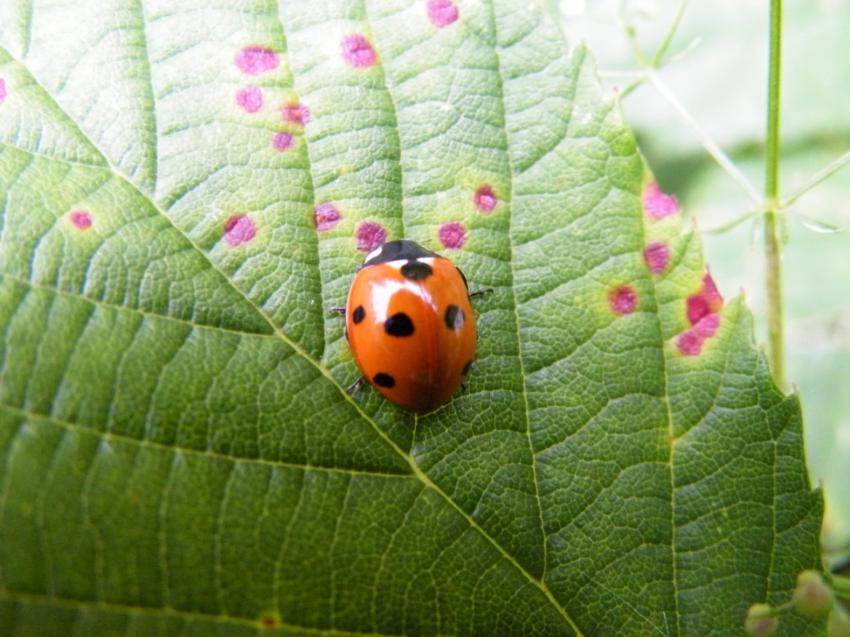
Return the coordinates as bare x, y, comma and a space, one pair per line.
283, 141
658, 204
256, 59
81, 219
452, 234
268, 622
623, 299
690, 341
239, 229
370, 235
2, 90
358, 51
442, 12
250, 98
707, 301
295, 113
326, 216
657, 256
485, 199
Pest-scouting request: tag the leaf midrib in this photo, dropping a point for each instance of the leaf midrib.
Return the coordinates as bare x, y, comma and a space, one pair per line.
415, 469
515, 301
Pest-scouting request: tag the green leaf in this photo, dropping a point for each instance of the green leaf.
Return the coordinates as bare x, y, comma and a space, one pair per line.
178, 454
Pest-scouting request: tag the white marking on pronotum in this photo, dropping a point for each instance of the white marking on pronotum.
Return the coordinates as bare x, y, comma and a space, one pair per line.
398, 263
374, 253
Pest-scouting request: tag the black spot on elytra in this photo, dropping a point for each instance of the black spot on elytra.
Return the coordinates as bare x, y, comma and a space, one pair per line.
454, 317
416, 270
465, 369
358, 315
383, 380
399, 324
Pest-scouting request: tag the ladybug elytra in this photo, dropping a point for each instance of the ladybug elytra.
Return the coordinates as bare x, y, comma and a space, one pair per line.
410, 325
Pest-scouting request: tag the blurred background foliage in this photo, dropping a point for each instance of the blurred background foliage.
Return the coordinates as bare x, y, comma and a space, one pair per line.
716, 66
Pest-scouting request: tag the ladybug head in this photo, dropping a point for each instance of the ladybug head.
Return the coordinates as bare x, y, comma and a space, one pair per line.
400, 249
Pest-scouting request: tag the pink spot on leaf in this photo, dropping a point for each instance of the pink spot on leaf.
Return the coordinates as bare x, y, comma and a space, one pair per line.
268, 622
250, 98
707, 327
707, 301
239, 229
2, 90
658, 204
370, 235
442, 12
295, 113
623, 300
453, 234
485, 199
283, 141
657, 256
358, 51
255, 59
690, 341
326, 216
81, 219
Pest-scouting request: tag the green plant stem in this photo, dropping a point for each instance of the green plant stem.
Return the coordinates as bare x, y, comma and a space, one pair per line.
820, 176
772, 248
841, 586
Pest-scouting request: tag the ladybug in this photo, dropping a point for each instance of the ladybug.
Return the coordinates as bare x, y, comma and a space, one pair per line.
410, 325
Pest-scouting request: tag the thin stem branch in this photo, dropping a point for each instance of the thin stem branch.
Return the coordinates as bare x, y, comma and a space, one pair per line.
705, 139
631, 34
726, 227
822, 175
631, 86
615, 74
771, 189
668, 37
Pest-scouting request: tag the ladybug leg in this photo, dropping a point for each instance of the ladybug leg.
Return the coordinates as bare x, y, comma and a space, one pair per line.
336, 309
357, 384
480, 292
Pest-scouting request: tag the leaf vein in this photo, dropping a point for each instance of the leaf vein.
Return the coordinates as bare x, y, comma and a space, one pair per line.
177, 449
